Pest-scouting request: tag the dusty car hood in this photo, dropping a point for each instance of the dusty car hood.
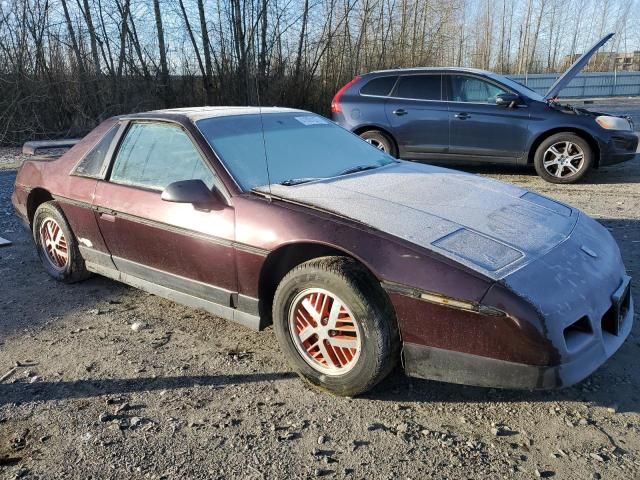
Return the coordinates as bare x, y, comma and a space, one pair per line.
575, 68
491, 227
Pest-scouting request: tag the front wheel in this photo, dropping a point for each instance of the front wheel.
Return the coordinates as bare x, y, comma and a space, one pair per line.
563, 158
335, 325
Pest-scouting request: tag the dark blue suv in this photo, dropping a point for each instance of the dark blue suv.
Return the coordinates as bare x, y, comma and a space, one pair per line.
453, 114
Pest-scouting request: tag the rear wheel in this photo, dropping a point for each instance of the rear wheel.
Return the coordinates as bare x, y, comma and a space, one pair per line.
56, 244
380, 140
563, 158
335, 325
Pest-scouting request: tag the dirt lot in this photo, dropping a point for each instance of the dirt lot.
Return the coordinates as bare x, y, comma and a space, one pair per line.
191, 396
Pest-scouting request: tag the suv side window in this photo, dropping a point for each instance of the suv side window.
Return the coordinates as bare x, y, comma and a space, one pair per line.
380, 86
473, 90
420, 87
91, 164
153, 155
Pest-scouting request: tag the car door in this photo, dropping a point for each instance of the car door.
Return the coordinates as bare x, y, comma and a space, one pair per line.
418, 116
77, 198
480, 129
175, 245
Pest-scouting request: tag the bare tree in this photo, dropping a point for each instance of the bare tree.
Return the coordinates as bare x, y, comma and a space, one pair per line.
66, 64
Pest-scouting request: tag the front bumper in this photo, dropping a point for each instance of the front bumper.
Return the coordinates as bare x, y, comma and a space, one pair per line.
567, 312
621, 147
458, 367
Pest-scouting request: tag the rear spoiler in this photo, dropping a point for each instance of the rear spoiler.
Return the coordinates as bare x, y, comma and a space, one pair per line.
33, 147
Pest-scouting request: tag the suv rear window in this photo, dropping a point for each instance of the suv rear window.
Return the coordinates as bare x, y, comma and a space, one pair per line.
420, 87
379, 86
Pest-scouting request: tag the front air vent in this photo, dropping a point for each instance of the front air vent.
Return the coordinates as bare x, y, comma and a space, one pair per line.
612, 320
577, 334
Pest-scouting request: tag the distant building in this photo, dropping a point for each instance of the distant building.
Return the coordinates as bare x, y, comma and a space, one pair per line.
608, 61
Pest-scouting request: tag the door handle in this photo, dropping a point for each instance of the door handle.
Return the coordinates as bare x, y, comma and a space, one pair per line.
107, 217
462, 116
399, 112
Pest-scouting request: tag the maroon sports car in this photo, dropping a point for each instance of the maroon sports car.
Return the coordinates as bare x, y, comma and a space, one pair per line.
359, 260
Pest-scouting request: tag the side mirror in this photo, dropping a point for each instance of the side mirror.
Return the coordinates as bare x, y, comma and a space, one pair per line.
188, 191
507, 99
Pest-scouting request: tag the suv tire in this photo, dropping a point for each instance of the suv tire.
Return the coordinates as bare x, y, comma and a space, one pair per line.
563, 158
381, 141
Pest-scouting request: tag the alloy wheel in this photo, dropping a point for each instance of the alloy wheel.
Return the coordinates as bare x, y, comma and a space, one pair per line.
324, 331
563, 159
376, 143
54, 243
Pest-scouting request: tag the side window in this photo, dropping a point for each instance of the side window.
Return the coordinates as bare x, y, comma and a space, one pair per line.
153, 155
420, 87
473, 90
91, 164
379, 86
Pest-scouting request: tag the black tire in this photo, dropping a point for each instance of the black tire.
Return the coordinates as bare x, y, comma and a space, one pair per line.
380, 140
73, 269
364, 297
550, 172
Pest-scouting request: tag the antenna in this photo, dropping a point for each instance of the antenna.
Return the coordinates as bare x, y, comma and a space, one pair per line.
264, 139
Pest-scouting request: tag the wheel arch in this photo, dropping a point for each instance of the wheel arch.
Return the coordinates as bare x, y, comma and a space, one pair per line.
286, 257
36, 197
590, 139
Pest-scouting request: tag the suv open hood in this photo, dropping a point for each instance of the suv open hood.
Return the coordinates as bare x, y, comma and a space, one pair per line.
574, 69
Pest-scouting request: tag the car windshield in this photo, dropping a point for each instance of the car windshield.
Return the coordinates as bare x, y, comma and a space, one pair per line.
297, 146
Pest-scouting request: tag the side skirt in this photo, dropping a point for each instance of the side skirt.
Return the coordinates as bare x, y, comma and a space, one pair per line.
247, 319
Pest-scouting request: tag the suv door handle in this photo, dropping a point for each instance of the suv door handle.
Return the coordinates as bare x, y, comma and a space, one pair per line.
462, 115
399, 112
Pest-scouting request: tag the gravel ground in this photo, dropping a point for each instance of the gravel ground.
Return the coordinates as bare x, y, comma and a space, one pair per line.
187, 395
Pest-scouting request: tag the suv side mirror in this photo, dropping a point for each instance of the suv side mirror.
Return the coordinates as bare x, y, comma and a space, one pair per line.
507, 99
188, 191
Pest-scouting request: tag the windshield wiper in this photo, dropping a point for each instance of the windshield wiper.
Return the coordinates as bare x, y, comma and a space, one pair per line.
359, 168
297, 181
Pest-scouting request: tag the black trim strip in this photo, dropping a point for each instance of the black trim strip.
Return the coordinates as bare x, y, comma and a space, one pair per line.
70, 201
246, 304
92, 255
152, 223
174, 282
251, 321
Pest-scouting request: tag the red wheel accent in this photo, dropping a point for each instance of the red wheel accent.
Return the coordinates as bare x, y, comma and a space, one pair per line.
324, 331
54, 243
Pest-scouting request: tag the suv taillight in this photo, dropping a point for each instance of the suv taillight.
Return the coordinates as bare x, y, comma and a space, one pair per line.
335, 103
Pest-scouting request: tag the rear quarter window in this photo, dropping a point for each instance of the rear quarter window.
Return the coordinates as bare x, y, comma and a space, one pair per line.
380, 86
91, 163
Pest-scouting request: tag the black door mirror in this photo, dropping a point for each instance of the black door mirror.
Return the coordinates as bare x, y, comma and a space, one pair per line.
507, 100
188, 191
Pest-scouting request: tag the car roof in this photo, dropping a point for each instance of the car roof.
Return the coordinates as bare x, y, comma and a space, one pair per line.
433, 69
200, 113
